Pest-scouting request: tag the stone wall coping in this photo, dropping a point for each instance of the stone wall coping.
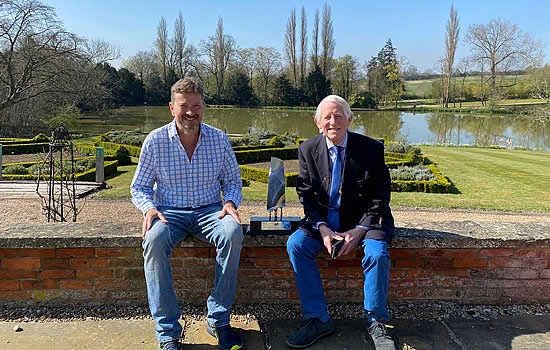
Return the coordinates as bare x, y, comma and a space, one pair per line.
451, 234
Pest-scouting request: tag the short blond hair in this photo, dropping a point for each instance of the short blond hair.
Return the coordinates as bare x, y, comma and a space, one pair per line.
186, 85
339, 101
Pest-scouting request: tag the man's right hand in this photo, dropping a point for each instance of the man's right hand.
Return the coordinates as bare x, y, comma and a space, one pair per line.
328, 235
151, 215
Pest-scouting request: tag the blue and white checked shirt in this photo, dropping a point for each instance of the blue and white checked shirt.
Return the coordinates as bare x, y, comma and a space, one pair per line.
166, 177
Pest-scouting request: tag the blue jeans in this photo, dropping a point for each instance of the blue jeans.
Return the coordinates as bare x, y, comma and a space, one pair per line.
302, 251
225, 234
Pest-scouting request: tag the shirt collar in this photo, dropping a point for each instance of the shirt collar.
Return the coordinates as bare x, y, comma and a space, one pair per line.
342, 144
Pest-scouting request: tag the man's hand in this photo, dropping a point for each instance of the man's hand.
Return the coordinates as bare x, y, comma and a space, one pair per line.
151, 215
328, 235
229, 208
351, 240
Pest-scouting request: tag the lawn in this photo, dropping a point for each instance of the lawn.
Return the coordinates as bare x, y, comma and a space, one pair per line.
490, 179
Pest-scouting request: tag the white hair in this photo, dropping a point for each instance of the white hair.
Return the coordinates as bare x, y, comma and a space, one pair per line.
339, 101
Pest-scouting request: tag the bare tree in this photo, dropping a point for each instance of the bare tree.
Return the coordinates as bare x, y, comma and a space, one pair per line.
303, 47
34, 52
451, 41
245, 62
142, 64
290, 45
268, 64
327, 36
499, 43
181, 62
161, 45
315, 44
345, 75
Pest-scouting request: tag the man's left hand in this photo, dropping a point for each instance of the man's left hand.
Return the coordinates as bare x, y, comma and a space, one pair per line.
229, 208
351, 240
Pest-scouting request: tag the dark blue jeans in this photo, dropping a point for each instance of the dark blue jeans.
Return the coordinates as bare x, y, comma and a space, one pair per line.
302, 251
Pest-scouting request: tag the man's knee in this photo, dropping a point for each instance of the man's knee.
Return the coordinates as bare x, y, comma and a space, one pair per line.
232, 231
295, 242
377, 252
157, 238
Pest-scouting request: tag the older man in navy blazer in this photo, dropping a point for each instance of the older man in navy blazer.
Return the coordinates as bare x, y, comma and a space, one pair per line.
344, 186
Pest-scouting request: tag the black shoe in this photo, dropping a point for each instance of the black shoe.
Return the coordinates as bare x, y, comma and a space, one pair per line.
380, 337
170, 345
228, 339
312, 331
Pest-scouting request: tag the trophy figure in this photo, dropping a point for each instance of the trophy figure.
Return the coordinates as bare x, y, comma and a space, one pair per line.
274, 223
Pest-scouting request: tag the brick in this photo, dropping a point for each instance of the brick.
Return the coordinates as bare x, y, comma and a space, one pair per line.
272, 263
190, 283
424, 283
278, 273
496, 252
470, 263
75, 252
134, 274
332, 284
343, 263
201, 262
327, 273
10, 285
450, 272
506, 262
438, 263
408, 263
528, 253
402, 253
293, 294
16, 274
545, 273
404, 283
54, 263
55, 274
514, 273
418, 273
76, 284
126, 262
431, 253
265, 252
100, 273
87, 263
204, 273
350, 272
111, 285
247, 273
8, 252
15, 295
36, 252
21, 263
461, 253
200, 252
114, 252
395, 274
39, 284
354, 283
408, 293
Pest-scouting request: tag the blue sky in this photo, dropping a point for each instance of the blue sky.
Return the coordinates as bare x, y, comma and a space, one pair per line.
361, 28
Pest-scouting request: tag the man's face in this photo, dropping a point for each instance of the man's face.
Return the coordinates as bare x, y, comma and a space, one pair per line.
333, 122
188, 110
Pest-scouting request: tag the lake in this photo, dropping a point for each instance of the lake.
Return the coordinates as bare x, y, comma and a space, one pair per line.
433, 128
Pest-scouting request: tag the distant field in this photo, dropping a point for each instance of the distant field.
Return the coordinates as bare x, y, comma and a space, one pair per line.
422, 88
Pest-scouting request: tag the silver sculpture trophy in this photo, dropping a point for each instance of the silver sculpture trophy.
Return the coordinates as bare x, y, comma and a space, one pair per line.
274, 224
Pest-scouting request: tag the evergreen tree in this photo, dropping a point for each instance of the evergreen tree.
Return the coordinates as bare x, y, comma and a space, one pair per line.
317, 87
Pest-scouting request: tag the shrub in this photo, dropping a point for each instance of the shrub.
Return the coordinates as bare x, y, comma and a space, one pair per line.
416, 173
122, 154
15, 170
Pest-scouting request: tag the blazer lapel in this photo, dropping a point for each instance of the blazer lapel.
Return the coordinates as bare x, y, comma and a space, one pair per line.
322, 163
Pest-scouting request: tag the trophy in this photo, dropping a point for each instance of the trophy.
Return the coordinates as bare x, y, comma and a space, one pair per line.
274, 224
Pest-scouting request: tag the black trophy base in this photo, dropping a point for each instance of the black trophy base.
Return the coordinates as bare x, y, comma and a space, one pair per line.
263, 225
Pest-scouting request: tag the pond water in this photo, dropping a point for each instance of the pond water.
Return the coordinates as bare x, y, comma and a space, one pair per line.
434, 128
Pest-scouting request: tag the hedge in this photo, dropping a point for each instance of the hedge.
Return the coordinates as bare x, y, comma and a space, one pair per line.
442, 185
262, 175
25, 148
111, 167
264, 155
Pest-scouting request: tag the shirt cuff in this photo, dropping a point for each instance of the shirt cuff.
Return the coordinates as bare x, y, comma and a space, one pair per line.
316, 226
366, 228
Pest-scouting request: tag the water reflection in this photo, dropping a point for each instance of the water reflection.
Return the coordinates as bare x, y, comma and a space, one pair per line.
440, 128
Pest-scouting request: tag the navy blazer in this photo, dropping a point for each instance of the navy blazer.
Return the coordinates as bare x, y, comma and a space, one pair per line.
365, 190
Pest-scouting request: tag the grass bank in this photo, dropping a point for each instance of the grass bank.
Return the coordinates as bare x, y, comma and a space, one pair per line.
488, 179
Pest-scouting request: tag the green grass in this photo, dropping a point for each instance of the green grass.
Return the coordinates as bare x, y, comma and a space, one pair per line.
489, 179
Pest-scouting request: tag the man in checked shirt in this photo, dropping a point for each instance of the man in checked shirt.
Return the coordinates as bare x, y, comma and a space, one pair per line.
177, 187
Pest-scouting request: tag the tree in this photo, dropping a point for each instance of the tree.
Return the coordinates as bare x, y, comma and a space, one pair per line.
161, 45
303, 47
238, 90
315, 43
327, 40
35, 52
284, 94
180, 52
142, 64
317, 86
539, 81
345, 75
245, 61
384, 76
501, 44
268, 64
451, 41
290, 45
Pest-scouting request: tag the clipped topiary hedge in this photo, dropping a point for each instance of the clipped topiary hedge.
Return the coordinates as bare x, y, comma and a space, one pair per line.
25, 148
264, 155
111, 167
442, 185
262, 175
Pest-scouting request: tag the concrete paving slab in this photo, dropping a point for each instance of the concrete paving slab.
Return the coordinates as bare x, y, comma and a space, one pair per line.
88, 335
196, 337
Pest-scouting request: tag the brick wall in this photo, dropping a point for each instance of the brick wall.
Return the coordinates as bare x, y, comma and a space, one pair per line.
467, 275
